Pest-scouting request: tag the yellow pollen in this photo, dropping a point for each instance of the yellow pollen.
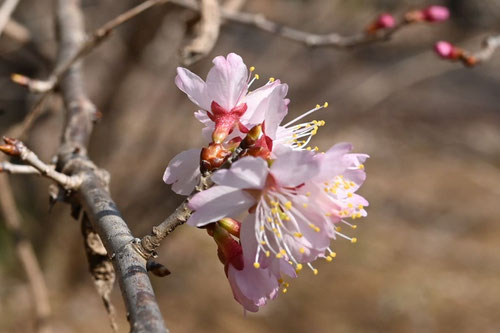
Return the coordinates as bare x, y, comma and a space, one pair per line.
328, 258
316, 148
315, 271
326, 183
288, 205
263, 243
346, 186
271, 79
280, 280
358, 215
350, 205
252, 69
354, 226
257, 76
297, 234
361, 166
360, 207
268, 253
274, 211
338, 228
325, 105
286, 284
256, 265
285, 290
269, 219
318, 106
295, 135
282, 251
326, 189
328, 214
279, 255
308, 148
352, 184
304, 205
349, 195
262, 228
299, 267
354, 240
333, 254
308, 194
302, 250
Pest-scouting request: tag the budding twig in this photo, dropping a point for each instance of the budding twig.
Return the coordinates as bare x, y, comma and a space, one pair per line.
451, 52
16, 148
19, 169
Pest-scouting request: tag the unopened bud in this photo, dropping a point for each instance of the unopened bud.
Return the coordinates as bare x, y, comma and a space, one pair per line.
384, 21
213, 157
436, 13
230, 249
253, 135
10, 147
446, 50
230, 225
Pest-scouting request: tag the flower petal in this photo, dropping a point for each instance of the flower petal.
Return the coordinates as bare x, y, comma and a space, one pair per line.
194, 87
183, 171
218, 202
249, 173
293, 167
227, 81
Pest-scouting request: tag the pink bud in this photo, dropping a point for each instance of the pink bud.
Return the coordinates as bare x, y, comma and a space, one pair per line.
444, 49
436, 13
385, 21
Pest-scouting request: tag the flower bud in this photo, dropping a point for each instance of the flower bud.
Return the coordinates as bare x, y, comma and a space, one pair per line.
384, 21
230, 249
213, 157
446, 50
230, 225
436, 13
253, 135
11, 147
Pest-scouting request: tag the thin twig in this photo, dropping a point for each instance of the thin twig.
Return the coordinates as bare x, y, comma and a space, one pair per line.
208, 33
17, 148
309, 39
6, 11
489, 46
19, 169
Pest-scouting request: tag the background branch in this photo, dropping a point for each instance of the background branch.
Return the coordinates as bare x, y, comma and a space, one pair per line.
6, 11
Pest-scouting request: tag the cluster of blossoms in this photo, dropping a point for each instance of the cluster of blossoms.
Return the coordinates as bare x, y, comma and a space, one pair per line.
289, 197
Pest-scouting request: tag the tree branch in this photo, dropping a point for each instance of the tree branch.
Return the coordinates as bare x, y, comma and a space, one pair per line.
207, 35
11, 168
6, 11
331, 39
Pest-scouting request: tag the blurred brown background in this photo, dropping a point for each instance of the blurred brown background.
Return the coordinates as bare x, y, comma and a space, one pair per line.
427, 259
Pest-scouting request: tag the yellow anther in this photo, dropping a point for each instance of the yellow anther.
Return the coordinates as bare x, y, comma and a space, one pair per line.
268, 253
325, 105
257, 76
314, 131
318, 106
299, 267
262, 228
328, 258
297, 234
282, 251
280, 280
358, 215
349, 195
350, 205
326, 189
346, 186
308, 194
305, 205
256, 265
315, 271
316, 148
286, 284
252, 69
338, 229
302, 250
263, 243
269, 219
354, 240
360, 206
288, 205
309, 148
285, 290
271, 79
361, 167
328, 214
279, 255
274, 211
352, 184
326, 183
317, 229
294, 135
354, 226
333, 254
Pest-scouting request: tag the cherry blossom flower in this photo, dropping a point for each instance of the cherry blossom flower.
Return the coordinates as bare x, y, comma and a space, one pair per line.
295, 202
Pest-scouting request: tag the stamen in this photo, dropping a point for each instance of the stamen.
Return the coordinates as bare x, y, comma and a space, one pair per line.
318, 107
315, 271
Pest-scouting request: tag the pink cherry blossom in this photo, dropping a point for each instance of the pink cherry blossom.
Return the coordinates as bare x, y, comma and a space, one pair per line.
295, 203
223, 98
436, 13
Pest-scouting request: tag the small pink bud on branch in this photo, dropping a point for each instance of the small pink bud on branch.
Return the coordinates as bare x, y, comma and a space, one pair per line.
448, 51
384, 21
429, 14
10, 147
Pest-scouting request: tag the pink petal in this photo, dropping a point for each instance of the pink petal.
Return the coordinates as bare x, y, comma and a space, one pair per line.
218, 202
227, 81
293, 167
193, 87
247, 173
183, 171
